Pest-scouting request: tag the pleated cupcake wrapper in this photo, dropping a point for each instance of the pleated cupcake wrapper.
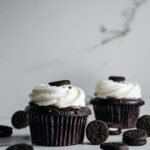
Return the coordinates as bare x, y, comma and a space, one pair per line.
125, 115
48, 130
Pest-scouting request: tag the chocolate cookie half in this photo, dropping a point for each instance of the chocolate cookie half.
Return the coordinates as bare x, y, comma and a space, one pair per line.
144, 124
5, 131
114, 146
135, 137
97, 132
59, 83
20, 119
21, 146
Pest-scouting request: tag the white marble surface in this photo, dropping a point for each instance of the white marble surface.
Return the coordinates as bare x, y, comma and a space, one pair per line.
80, 40
23, 136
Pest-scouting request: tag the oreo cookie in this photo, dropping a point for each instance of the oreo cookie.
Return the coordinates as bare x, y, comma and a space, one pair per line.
97, 132
5, 131
144, 124
20, 119
21, 146
114, 128
135, 137
117, 78
114, 146
59, 83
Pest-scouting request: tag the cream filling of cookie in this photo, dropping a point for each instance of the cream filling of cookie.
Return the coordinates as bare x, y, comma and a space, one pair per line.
113, 129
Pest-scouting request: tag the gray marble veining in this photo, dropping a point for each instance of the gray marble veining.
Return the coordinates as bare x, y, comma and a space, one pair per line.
109, 35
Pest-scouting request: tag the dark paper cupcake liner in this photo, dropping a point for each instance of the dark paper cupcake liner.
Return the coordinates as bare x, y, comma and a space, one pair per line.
124, 114
53, 130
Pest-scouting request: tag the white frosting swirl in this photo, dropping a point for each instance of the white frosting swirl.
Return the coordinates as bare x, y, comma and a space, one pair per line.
62, 96
109, 88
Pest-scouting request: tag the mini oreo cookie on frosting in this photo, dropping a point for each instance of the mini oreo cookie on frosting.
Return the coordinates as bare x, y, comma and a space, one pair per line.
117, 78
59, 83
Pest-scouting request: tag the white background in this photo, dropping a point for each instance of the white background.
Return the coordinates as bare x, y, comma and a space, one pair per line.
47, 40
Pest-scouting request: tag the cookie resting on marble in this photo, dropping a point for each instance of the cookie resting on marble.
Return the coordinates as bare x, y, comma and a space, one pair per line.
97, 132
144, 124
21, 146
135, 137
5, 131
114, 146
20, 119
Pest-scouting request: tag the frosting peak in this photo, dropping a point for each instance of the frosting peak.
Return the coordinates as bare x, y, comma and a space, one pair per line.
59, 96
109, 88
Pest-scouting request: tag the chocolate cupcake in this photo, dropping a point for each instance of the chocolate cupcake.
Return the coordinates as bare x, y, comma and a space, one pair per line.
117, 101
57, 114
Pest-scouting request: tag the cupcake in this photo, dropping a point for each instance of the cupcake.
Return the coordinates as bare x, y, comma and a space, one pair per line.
117, 101
57, 114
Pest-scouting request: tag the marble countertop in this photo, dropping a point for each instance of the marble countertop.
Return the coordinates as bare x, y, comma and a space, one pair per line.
23, 136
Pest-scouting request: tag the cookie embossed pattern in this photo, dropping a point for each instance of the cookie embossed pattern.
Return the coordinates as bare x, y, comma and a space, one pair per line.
144, 124
97, 132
